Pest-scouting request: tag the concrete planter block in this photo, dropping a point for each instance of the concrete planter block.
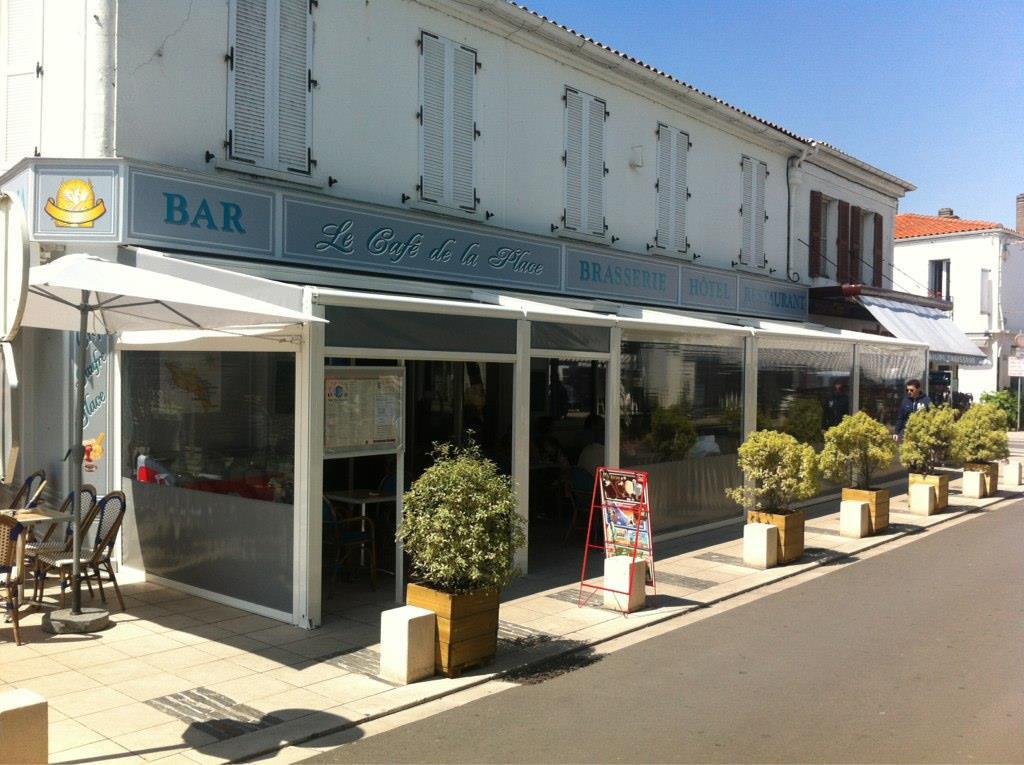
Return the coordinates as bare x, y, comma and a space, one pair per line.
854, 519
619, 571
24, 716
973, 484
760, 545
407, 644
922, 499
1013, 473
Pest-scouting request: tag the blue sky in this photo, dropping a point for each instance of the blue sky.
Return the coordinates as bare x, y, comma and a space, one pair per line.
932, 92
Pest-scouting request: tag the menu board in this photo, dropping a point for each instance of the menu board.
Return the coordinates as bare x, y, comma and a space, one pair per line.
363, 410
626, 512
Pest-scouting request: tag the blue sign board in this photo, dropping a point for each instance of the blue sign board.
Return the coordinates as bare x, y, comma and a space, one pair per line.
341, 236
191, 213
199, 215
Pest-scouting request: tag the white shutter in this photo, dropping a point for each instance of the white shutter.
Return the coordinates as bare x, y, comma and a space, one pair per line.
673, 146
248, 96
748, 211
594, 132
761, 177
294, 62
433, 100
573, 160
463, 128
23, 107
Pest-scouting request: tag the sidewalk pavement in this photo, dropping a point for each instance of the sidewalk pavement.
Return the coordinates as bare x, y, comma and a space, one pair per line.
180, 679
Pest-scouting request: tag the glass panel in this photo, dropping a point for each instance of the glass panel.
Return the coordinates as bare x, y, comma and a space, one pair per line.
883, 373
803, 387
210, 421
546, 335
681, 419
371, 328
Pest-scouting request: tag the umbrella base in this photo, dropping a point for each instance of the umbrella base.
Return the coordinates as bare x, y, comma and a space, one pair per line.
63, 622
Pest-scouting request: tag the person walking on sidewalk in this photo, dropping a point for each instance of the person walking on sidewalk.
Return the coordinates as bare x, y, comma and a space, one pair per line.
914, 400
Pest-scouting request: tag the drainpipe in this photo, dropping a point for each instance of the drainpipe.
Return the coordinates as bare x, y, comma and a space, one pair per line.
98, 135
794, 176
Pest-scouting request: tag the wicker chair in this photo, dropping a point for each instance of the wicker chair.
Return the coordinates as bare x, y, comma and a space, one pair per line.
111, 511
54, 545
30, 491
12, 567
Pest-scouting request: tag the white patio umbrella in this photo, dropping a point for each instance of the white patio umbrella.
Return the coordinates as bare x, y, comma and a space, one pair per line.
87, 294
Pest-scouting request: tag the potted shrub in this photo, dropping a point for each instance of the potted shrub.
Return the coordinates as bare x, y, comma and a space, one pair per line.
854, 450
979, 439
461, 530
926, 442
779, 470
672, 432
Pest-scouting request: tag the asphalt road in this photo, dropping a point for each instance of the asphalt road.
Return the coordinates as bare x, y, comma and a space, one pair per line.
916, 655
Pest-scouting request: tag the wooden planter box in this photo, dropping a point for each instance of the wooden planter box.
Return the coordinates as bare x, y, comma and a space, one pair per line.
939, 481
878, 506
791, 532
991, 471
467, 626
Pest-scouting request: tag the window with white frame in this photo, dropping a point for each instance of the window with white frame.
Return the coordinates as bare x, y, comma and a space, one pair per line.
755, 176
447, 122
585, 167
985, 297
23, 103
270, 83
673, 148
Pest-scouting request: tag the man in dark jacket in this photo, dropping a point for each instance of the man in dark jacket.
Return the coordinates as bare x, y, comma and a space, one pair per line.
914, 400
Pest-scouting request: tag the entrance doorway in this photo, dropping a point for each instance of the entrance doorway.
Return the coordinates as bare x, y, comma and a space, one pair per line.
445, 401
567, 437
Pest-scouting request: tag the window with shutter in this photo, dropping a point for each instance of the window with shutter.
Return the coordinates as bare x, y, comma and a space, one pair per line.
584, 162
22, 109
673, 147
817, 224
270, 83
843, 244
447, 122
877, 258
755, 178
856, 231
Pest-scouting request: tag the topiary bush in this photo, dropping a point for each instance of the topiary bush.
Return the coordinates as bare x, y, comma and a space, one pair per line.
855, 449
459, 524
927, 438
779, 471
980, 435
1005, 400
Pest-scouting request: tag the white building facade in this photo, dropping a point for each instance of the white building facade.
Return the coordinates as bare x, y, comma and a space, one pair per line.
978, 266
517, 230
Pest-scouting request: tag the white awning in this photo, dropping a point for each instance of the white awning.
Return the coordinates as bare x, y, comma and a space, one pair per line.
947, 343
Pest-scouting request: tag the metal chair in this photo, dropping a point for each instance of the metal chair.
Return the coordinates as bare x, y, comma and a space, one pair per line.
348, 535
12, 567
55, 546
30, 491
111, 513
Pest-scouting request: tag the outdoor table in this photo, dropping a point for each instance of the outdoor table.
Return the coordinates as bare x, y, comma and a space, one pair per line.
361, 498
32, 516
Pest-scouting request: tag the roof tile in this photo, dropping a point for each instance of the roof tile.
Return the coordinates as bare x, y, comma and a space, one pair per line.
909, 225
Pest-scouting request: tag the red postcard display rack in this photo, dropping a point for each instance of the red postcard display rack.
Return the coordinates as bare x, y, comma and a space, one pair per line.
621, 498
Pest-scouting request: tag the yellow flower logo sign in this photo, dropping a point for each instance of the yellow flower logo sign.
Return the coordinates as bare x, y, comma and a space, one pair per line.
76, 204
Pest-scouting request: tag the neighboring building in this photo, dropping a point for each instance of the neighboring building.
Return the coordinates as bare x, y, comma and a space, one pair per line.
978, 266
560, 246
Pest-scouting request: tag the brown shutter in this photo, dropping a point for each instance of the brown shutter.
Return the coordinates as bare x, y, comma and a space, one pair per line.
814, 245
843, 244
856, 228
876, 277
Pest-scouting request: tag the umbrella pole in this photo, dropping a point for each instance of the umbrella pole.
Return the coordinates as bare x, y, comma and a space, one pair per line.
77, 452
